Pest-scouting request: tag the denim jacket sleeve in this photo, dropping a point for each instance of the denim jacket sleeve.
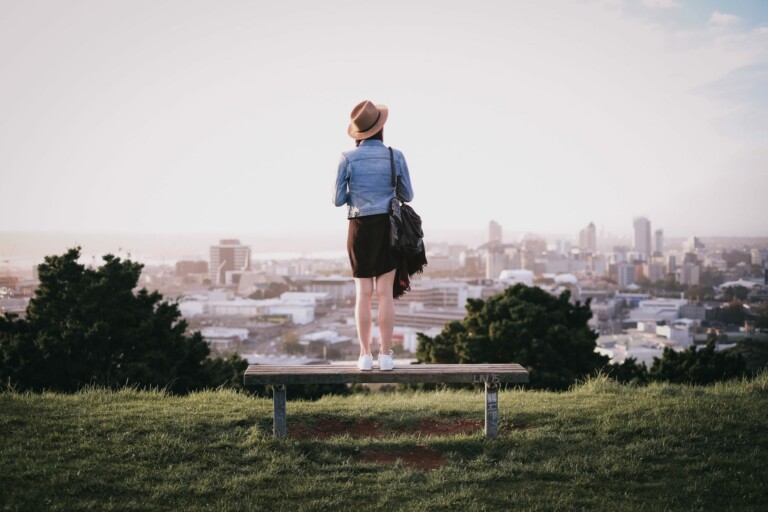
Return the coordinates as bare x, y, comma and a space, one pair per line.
404, 187
341, 193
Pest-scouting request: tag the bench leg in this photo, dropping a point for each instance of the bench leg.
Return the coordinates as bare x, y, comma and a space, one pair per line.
491, 410
278, 397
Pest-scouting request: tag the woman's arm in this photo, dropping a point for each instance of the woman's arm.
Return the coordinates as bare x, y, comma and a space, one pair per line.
404, 187
341, 193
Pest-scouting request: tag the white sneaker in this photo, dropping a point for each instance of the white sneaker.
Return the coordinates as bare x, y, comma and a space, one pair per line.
385, 362
365, 362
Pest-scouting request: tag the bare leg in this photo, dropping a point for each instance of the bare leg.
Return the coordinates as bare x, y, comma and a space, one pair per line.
363, 299
384, 284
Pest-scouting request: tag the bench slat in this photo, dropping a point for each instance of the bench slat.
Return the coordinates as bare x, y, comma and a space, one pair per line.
425, 373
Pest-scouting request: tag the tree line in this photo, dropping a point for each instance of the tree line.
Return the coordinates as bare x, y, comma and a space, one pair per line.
95, 327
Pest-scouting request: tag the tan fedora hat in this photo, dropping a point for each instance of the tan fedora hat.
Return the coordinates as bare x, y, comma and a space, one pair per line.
367, 120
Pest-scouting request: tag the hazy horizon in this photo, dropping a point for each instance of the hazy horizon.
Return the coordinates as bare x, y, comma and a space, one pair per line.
33, 246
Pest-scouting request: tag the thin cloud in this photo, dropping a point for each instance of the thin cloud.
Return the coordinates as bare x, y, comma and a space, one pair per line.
722, 18
662, 4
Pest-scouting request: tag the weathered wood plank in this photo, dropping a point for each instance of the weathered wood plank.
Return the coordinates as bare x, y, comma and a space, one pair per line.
426, 373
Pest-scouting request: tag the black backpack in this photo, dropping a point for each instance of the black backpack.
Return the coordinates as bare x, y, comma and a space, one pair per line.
406, 235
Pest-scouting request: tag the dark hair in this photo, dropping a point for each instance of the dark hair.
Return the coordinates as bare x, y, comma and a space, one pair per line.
379, 135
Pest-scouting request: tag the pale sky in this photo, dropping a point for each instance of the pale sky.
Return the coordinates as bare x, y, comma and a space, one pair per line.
228, 117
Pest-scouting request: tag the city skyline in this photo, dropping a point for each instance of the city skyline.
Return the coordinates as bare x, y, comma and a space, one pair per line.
25, 249
229, 120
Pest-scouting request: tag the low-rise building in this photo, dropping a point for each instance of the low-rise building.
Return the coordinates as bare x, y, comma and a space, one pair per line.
338, 288
440, 294
223, 339
657, 310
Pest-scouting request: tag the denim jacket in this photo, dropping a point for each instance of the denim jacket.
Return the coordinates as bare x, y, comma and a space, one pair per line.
364, 179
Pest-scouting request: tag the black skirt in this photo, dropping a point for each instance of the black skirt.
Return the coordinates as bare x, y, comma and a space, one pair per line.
368, 246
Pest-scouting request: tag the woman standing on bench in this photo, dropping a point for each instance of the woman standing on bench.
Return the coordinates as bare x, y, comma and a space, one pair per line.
364, 184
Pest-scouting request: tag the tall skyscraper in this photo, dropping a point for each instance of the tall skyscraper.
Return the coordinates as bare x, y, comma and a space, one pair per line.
689, 274
625, 275
495, 262
658, 236
494, 232
588, 238
228, 255
642, 237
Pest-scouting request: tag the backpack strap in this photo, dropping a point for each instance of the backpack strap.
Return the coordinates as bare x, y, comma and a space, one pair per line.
392, 166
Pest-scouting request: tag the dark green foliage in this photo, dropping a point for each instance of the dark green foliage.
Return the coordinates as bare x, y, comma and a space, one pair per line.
694, 366
548, 335
734, 293
90, 327
761, 315
628, 372
755, 354
734, 313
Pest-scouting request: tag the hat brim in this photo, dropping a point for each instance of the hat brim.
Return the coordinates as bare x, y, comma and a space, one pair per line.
384, 111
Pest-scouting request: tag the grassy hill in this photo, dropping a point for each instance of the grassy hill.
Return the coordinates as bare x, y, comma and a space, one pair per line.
600, 446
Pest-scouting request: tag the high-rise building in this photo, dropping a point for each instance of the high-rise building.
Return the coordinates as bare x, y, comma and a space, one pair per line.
494, 232
588, 238
625, 275
495, 262
654, 271
671, 265
642, 238
228, 255
693, 244
658, 236
689, 274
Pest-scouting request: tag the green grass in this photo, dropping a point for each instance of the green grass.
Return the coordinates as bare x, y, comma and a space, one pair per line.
600, 446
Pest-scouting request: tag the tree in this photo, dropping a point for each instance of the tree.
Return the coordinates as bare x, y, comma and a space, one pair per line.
754, 352
711, 277
548, 335
761, 315
628, 372
89, 327
734, 313
694, 366
273, 289
699, 293
291, 344
734, 293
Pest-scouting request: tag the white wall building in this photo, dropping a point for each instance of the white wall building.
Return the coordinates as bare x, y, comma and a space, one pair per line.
656, 310
299, 312
512, 277
441, 294
329, 337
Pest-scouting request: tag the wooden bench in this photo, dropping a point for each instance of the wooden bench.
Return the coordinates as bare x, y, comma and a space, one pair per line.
489, 374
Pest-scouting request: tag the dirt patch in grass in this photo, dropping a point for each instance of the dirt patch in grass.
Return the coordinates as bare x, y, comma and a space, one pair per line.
447, 427
326, 427
417, 457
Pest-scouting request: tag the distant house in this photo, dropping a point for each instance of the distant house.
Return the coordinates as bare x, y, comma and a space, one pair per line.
224, 338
